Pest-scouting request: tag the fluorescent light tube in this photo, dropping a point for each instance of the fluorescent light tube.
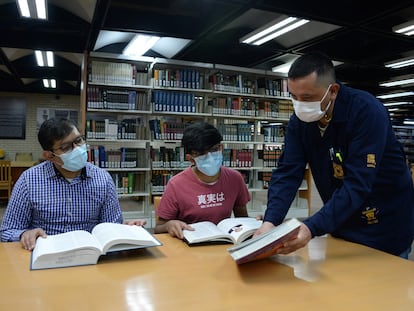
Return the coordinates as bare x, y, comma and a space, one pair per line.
397, 82
281, 31
399, 63
139, 45
44, 58
39, 58
396, 104
276, 29
32, 8
393, 95
49, 59
49, 83
405, 28
23, 8
269, 30
41, 9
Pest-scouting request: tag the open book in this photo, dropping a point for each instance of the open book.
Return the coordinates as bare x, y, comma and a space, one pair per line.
79, 247
265, 245
232, 230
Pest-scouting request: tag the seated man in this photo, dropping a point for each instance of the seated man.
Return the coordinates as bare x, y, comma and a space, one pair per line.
206, 191
64, 193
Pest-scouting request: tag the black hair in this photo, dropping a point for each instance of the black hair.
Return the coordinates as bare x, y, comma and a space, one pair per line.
313, 62
200, 137
54, 129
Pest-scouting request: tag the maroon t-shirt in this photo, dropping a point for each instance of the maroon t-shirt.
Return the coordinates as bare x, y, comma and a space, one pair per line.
188, 199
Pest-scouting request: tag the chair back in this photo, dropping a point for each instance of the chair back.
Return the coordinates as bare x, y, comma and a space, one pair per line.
157, 200
5, 178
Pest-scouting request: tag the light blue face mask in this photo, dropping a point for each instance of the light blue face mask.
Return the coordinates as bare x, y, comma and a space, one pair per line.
76, 159
210, 163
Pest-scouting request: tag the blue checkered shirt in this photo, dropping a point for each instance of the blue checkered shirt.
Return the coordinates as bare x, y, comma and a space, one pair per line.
43, 198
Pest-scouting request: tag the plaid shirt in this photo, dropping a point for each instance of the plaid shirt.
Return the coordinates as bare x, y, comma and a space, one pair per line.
43, 198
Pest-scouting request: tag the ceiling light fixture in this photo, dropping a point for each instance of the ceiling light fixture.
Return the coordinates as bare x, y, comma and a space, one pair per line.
405, 28
399, 63
32, 8
49, 83
44, 58
397, 82
273, 30
393, 95
139, 45
396, 104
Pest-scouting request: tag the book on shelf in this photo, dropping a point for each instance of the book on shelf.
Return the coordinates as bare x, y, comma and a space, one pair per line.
265, 245
80, 247
231, 230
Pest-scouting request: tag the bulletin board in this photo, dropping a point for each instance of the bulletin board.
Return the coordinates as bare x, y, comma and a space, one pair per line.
12, 118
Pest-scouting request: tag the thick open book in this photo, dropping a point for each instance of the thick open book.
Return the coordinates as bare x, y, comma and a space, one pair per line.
232, 230
76, 248
265, 245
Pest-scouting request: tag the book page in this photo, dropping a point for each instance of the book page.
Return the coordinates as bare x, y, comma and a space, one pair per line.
116, 237
240, 228
205, 231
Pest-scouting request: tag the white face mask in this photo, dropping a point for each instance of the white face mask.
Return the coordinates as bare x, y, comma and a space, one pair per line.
310, 111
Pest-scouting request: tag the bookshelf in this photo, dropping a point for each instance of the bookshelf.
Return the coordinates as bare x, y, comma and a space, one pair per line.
145, 103
405, 134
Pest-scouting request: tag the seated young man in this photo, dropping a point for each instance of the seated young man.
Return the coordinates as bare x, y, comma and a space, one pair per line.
206, 191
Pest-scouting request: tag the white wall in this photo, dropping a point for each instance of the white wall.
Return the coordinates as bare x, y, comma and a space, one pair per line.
34, 101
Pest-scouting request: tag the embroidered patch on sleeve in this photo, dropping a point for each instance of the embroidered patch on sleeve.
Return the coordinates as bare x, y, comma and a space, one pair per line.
371, 160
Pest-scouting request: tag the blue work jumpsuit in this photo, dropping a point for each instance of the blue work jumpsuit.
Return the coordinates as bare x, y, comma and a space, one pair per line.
360, 172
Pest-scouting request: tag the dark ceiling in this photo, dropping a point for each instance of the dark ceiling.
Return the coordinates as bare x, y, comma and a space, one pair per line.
361, 39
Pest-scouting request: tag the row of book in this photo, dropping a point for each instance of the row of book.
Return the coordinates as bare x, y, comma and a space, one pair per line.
103, 98
164, 157
176, 101
264, 177
273, 133
178, 78
235, 83
159, 180
112, 73
131, 129
237, 157
124, 157
129, 183
162, 129
272, 87
237, 131
271, 155
238, 106
281, 109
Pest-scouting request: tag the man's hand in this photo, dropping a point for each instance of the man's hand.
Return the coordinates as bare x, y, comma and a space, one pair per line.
28, 238
265, 227
135, 222
304, 236
175, 228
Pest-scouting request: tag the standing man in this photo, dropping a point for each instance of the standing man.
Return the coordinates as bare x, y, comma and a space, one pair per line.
358, 166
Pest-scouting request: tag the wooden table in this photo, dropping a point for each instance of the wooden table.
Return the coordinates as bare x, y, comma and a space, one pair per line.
179, 277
